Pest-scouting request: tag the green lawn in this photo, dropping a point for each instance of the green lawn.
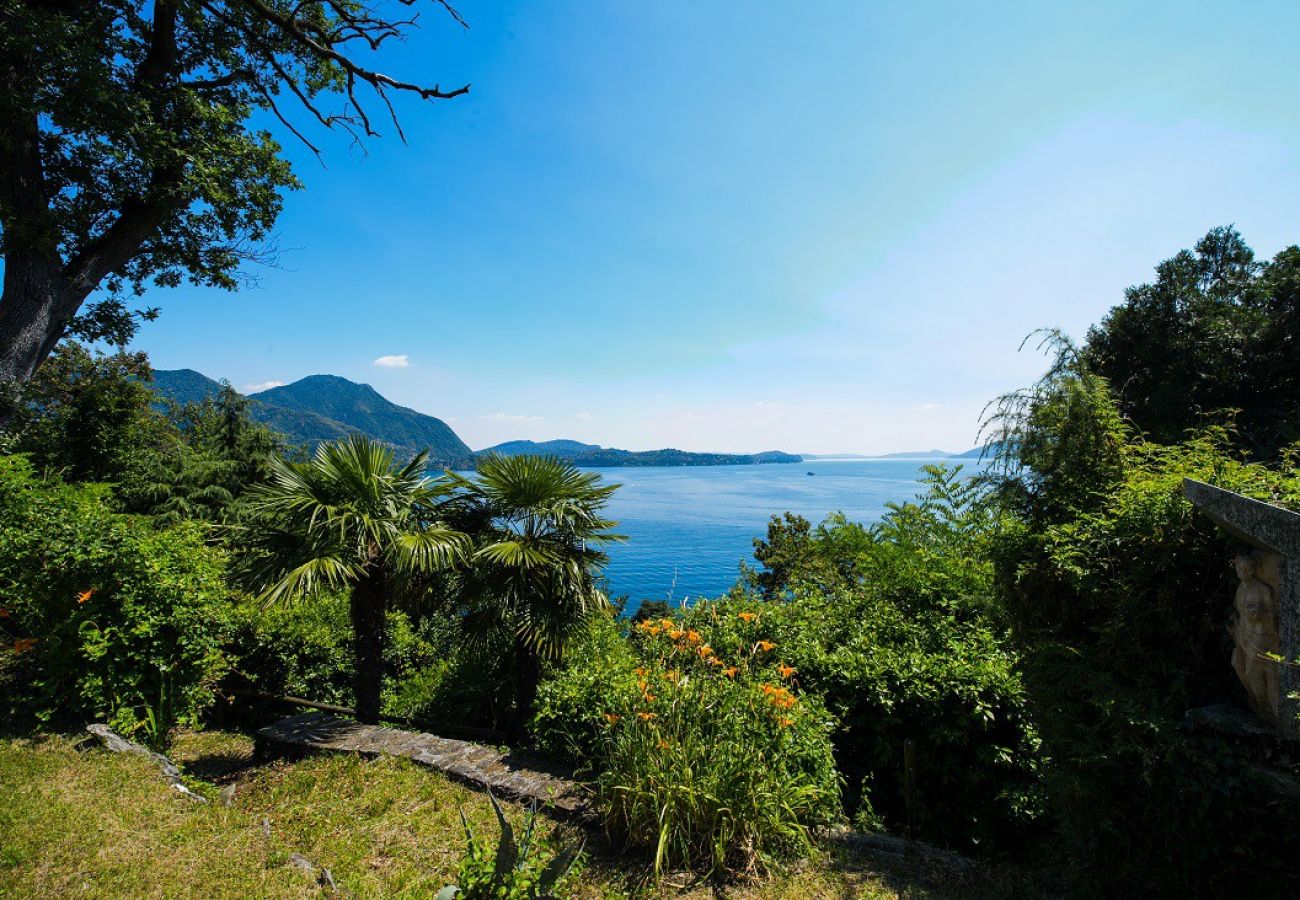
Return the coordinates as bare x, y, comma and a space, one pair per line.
94, 824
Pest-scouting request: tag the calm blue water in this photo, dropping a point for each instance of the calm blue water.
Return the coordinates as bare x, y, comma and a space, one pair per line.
689, 527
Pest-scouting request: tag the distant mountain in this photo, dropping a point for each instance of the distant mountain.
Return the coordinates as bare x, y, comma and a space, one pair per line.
564, 449
325, 407
594, 455
185, 385
977, 452
915, 454
669, 457
907, 454
361, 407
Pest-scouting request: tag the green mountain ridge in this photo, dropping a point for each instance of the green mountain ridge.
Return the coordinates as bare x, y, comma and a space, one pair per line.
326, 407
594, 455
322, 408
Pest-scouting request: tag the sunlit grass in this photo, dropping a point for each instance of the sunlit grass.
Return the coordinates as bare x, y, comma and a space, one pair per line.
89, 823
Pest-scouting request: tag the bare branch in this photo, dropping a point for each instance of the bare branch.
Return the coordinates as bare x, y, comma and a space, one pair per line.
275, 110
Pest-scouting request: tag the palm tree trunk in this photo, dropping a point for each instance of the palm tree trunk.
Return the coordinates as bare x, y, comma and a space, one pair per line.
528, 675
368, 608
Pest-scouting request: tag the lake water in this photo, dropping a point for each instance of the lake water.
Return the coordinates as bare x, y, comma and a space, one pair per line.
689, 527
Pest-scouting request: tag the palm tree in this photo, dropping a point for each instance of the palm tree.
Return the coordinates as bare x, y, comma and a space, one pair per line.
533, 578
349, 519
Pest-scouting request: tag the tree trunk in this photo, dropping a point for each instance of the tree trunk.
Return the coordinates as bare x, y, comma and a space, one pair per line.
528, 675
35, 308
369, 607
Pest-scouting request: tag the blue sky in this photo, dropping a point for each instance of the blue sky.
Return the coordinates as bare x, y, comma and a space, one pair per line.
743, 226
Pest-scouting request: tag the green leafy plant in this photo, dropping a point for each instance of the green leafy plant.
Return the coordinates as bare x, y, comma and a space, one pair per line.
712, 761
104, 615
513, 869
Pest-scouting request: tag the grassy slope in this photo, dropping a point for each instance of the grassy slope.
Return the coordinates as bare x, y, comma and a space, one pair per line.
97, 824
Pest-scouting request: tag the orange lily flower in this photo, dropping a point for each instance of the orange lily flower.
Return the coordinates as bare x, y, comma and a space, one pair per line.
766, 646
786, 671
85, 595
730, 671
785, 723
612, 718
748, 616
693, 636
645, 716
22, 645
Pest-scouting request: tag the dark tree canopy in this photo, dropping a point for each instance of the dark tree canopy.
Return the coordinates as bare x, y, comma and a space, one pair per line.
127, 153
1217, 330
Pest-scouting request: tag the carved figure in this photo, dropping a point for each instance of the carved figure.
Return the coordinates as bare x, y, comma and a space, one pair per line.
1255, 633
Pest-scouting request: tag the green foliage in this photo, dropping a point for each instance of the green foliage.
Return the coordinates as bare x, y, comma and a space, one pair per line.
1217, 330
710, 759
87, 415
92, 417
305, 650
513, 869
570, 721
214, 455
301, 649
897, 628
1059, 443
1120, 610
349, 519
532, 582
537, 551
108, 616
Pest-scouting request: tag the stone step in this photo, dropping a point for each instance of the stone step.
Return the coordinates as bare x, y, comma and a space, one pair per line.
505, 773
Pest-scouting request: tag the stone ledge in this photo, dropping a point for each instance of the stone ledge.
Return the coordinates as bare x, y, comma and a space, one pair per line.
505, 773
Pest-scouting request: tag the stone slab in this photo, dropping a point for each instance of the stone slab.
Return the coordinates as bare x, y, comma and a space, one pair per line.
507, 774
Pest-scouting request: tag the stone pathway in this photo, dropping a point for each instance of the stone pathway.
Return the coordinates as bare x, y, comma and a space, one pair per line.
506, 774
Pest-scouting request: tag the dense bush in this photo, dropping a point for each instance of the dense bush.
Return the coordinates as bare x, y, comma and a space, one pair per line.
1121, 609
897, 627
304, 649
570, 721
108, 617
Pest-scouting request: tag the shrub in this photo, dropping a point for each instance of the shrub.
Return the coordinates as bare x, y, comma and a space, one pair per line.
301, 649
109, 617
890, 676
1121, 610
896, 626
570, 723
514, 869
713, 761
304, 650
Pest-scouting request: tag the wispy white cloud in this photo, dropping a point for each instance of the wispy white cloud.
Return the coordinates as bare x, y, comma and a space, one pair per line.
397, 361
264, 386
926, 407
508, 417
585, 416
